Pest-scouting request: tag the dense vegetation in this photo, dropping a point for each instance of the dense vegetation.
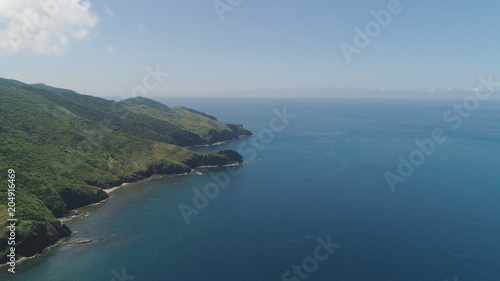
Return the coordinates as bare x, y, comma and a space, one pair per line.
66, 147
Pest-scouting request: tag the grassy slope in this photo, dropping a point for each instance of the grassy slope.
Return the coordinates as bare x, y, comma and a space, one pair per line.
189, 120
66, 147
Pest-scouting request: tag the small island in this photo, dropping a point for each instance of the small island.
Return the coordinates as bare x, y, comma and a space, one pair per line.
68, 148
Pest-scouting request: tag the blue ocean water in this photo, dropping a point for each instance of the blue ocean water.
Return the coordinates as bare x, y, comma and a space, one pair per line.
320, 177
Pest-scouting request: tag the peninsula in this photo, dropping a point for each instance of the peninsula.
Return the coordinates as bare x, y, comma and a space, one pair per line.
66, 149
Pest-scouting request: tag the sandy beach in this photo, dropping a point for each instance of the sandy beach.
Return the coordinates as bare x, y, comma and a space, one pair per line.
108, 191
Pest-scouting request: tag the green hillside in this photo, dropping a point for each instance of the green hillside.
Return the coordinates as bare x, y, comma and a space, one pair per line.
66, 147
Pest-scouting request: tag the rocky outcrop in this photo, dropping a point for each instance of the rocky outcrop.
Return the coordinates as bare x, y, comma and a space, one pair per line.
40, 237
219, 158
76, 197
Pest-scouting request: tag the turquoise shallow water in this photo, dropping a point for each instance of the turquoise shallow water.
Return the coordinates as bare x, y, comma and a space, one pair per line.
322, 176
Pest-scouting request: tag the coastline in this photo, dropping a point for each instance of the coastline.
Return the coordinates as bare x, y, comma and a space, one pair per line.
75, 213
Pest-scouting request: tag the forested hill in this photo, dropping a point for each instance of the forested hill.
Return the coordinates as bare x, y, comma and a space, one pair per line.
66, 147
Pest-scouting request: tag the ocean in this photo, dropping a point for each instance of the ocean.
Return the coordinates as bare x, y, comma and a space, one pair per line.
333, 189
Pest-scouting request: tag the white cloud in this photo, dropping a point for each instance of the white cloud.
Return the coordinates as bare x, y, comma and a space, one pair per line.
44, 27
109, 11
141, 28
110, 48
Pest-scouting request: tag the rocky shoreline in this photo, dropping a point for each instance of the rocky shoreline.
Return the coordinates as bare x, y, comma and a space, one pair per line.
55, 234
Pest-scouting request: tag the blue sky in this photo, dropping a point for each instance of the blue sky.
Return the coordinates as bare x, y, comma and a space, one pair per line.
105, 47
